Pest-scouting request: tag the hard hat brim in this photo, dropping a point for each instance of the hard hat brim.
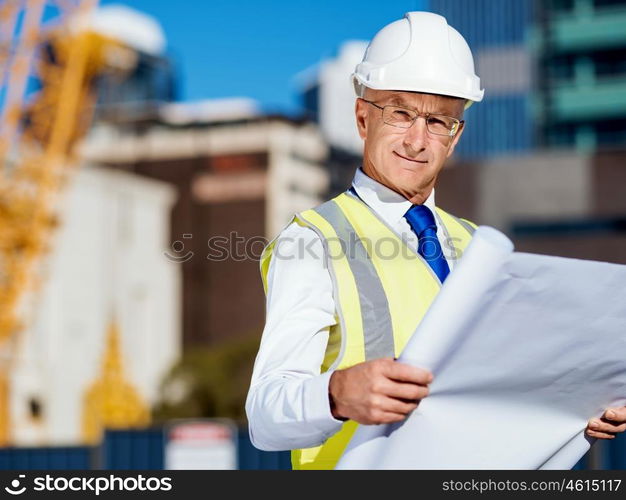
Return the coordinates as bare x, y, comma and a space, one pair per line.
359, 89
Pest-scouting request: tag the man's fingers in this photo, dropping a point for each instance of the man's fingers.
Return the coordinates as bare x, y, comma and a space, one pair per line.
389, 417
599, 435
403, 372
406, 391
616, 415
613, 420
397, 406
599, 425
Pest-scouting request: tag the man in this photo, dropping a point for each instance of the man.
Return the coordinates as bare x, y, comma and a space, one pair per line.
348, 282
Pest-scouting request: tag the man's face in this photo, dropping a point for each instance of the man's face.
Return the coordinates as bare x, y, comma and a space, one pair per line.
406, 160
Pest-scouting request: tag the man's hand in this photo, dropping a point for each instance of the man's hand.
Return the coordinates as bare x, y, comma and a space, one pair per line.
380, 391
611, 422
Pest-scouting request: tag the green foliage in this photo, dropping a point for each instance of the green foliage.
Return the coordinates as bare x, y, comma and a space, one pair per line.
209, 382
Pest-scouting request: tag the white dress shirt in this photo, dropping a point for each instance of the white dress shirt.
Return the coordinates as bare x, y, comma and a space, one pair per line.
287, 404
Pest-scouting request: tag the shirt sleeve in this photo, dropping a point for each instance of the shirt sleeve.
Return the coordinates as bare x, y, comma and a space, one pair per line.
287, 404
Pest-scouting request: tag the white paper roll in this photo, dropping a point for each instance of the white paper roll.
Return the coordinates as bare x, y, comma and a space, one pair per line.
432, 340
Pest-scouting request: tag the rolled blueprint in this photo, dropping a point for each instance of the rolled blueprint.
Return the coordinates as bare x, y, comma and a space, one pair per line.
524, 349
483, 259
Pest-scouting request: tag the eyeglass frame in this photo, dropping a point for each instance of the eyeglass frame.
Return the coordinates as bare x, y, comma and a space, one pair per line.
452, 133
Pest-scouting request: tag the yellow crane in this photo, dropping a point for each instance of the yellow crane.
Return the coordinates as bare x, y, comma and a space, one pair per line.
48, 63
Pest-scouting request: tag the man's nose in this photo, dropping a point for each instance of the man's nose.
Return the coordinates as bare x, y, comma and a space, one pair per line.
416, 136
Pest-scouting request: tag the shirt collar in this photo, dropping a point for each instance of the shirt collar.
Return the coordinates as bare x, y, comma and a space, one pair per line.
391, 206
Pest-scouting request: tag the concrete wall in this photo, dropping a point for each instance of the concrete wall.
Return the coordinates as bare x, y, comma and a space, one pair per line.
106, 264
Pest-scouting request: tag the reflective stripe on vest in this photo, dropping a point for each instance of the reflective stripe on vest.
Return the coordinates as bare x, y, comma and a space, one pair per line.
382, 289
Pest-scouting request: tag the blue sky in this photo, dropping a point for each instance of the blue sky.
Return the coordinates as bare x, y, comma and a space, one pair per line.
226, 48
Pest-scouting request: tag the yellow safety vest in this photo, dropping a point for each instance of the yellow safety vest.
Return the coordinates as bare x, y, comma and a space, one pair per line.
382, 289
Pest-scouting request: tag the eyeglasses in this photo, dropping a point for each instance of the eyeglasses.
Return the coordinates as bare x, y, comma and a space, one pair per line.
404, 118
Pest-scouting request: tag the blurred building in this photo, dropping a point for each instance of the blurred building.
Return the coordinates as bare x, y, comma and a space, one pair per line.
240, 176
582, 79
152, 79
106, 317
327, 97
570, 204
554, 73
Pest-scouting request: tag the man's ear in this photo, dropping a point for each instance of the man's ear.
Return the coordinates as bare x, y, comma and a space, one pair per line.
455, 139
360, 113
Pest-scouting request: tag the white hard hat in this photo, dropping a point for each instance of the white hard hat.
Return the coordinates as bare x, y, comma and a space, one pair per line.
419, 53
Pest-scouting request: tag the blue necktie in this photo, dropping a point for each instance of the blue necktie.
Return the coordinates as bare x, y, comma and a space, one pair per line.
422, 221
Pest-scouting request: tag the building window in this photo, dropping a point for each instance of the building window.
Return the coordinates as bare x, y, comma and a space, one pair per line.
561, 6
600, 4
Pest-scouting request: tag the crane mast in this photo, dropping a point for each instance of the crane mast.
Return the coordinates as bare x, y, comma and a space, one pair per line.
48, 62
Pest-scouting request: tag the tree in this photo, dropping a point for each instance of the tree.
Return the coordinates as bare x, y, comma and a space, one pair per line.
209, 382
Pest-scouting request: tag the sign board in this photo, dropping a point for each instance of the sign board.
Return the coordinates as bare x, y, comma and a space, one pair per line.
207, 444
